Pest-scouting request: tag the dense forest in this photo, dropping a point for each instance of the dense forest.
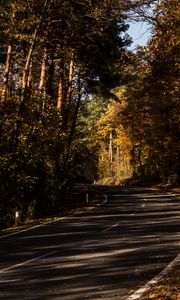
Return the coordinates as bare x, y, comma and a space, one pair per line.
76, 105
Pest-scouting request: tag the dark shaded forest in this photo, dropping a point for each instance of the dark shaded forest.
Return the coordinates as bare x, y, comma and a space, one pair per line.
76, 105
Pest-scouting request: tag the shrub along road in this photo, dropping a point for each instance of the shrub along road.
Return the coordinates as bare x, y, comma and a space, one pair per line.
105, 253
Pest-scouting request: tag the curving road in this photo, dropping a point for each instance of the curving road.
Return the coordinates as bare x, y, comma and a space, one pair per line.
105, 253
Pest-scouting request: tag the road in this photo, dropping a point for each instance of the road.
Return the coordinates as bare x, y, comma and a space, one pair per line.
105, 253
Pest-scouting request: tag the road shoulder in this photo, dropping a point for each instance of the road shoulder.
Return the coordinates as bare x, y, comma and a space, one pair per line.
166, 285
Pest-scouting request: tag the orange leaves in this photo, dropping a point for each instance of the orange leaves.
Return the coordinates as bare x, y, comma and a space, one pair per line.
166, 32
110, 119
168, 288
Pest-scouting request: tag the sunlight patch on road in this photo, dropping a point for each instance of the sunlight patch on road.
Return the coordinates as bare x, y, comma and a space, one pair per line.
27, 262
102, 254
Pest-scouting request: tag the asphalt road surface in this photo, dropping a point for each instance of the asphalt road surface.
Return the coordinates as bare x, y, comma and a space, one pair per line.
105, 253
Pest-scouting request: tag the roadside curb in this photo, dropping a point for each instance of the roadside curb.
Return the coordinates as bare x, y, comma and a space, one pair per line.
140, 292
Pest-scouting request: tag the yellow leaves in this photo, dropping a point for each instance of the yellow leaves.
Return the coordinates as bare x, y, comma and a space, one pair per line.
121, 95
110, 118
122, 138
110, 121
166, 32
152, 296
167, 288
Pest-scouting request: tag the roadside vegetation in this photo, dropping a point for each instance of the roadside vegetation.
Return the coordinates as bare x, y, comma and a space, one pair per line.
80, 199
167, 288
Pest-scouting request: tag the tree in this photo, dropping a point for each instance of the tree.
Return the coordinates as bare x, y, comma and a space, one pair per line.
164, 49
61, 51
151, 116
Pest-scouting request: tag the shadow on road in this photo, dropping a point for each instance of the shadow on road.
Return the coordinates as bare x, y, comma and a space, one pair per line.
104, 253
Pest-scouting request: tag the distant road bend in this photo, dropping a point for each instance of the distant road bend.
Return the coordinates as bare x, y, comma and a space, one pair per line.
106, 253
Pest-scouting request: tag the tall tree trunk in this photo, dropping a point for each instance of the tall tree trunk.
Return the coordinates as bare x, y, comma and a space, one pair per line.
140, 163
8, 60
29, 78
133, 161
6, 73
73, 126
25, 74
70, 81
42, 83
110, 155
61, 105
64, 96
29, 55
117, 161
60, 96
69, 108
50, 74
27, 65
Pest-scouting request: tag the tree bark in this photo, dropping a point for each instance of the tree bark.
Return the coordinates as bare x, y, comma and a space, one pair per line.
8, 60
61, 101
140, 163
6, 73
110, 155
73, 126
27, 65
29, 55
29, 78
69, 92
42, 83
117, 161
50, 75
25, 74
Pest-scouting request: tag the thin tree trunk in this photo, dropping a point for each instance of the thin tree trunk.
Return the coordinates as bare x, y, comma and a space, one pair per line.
140, 163
117, 161
29, 56
61, 101
6, 73
133, 152
124, 165
60, 96
69, 92
43, 76
67, 113
29, 79
42, 83
50, 74
8, 61
73, 126
25, 76
110, 155
27, 65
